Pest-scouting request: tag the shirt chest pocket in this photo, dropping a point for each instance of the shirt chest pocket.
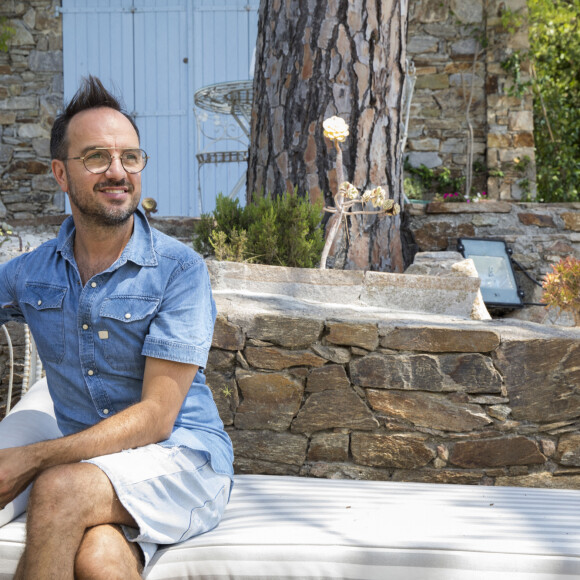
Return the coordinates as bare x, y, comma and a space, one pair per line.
43, 308
123, 326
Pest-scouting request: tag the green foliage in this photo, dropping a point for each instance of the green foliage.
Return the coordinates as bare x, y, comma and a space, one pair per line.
513, 65
562, 286
283, 231
555, 52
422, 180
6, 33
511, 20
5, 233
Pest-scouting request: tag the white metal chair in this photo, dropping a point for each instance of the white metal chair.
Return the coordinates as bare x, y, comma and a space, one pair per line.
32, 368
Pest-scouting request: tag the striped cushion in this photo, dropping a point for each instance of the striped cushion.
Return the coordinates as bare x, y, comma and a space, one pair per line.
287, 527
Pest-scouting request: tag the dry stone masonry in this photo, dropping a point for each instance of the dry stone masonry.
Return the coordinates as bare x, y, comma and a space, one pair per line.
538, 234
31, 92
326, 390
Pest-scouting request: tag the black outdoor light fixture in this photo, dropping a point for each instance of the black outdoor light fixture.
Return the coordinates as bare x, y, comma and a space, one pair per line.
493, 264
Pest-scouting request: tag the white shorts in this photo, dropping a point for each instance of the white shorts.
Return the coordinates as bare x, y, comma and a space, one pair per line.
172, 493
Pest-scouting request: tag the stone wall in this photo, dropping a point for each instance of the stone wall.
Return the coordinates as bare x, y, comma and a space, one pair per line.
390, 397
460, 84
31, 91
538, 234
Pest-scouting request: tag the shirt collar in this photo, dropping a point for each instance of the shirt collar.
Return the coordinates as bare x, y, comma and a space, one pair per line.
139, 250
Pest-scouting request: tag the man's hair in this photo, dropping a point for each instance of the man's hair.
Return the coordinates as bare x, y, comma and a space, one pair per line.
91, 95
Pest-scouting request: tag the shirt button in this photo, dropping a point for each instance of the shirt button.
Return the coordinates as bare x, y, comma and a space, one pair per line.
91, 373
128, 315
85, 326
93, 284
39, 302
105, 411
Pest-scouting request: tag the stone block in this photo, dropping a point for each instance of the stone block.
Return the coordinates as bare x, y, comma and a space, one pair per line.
481, 207
569, 449
7, 118
571, 221
468, 372
499, 140
429, 11
463, 48
467, 11
329, 447
19, 103
430, 160
498, 452
425, 144
287, 331
269, 400
221, 359
521, 121
329, 377
21, 36
541, 377
269, 446
308, 284
351, 334
535, 219
225, 394
335, 409
433, 339
335, 354
273, 358
422, 44
453, 145
45, 61
391, 451
227, 336
523, 139
428, 410
433, 82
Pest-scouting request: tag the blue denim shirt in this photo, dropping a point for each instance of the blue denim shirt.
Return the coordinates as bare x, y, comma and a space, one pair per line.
154, 301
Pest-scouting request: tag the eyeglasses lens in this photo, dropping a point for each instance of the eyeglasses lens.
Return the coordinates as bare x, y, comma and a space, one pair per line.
98, 161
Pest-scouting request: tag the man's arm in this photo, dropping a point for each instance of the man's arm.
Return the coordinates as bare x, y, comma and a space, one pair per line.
165, 385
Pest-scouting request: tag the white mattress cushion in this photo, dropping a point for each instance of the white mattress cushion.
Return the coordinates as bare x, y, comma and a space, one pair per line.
299, 528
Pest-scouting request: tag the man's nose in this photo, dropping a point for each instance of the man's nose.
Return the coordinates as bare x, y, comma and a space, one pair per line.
116, 168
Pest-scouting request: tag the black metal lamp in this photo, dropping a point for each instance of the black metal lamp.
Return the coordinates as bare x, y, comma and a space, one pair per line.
494, 267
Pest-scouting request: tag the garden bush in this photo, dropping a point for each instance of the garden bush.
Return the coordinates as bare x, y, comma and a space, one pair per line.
280, 231
555, 54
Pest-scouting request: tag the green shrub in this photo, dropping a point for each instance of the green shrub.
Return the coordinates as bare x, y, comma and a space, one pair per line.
280, 231
555, 53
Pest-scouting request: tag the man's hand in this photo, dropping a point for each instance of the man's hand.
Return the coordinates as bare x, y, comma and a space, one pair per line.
18, 468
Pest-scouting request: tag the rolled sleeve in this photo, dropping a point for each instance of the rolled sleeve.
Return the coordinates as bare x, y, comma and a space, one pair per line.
9, 307
182, 329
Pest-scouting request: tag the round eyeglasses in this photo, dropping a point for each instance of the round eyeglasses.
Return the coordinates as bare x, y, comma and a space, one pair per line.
99, 160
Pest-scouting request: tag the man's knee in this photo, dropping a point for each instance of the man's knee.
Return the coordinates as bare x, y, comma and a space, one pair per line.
53, 485
105, 554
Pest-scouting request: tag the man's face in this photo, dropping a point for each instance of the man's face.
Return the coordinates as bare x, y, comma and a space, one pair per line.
109, 198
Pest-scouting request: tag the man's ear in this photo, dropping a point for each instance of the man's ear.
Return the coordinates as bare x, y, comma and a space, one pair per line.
59, 172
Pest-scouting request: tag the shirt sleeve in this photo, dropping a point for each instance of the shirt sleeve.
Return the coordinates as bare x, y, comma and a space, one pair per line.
9, 307
183, 327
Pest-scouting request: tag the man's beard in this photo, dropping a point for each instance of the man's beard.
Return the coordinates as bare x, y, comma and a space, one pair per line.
101, 215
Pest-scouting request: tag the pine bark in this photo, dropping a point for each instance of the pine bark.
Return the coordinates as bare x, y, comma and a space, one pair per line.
316, 59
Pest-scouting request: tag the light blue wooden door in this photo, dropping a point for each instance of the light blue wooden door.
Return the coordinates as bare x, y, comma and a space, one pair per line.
156, 53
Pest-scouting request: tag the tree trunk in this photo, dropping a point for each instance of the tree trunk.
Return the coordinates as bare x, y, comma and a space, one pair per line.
316, 59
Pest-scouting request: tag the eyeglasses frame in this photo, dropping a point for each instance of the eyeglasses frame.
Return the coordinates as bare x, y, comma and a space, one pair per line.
82, 158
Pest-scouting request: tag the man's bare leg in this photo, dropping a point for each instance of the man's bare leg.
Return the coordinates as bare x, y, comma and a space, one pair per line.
105, 554
67, 508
